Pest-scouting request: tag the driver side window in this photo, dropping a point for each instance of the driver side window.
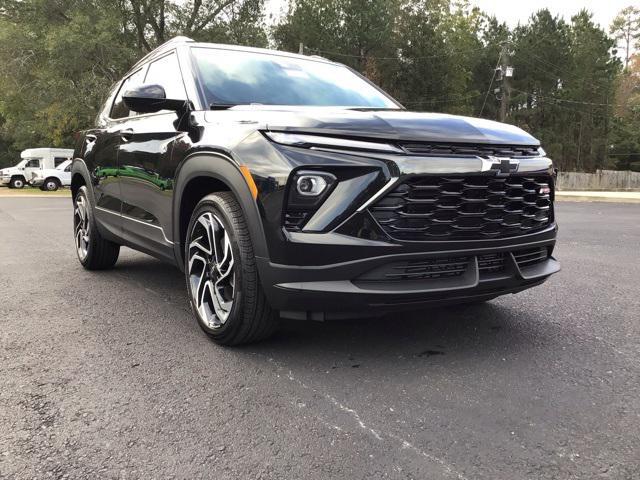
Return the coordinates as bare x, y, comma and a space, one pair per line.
33, 163
166, 72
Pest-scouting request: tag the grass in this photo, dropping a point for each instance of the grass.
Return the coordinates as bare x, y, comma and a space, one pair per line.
33, 192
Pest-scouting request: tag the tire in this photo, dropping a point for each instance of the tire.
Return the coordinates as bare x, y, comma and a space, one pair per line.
94, 252
51, 184
17, 182
223, 285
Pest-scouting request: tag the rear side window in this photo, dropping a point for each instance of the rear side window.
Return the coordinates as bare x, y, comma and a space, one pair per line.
166, 72
119, 109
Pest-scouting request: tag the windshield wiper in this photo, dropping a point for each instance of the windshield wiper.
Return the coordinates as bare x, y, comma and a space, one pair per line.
373, 109
222, 106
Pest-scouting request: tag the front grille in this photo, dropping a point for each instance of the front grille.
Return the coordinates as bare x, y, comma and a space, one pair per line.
491, 263
466, 149
428, 269
443, 268
526, 258
458, 208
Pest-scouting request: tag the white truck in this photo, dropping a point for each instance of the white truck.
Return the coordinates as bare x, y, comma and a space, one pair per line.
33, 160
50, 179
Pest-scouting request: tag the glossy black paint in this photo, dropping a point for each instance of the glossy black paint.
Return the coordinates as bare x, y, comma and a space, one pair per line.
143, 169
151, 98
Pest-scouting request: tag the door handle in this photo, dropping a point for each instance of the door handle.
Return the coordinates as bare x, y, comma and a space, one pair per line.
126, 134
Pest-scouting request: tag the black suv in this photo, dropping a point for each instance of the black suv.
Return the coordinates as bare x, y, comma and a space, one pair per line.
291, 185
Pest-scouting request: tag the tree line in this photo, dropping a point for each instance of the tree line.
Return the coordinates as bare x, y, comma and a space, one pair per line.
574, 85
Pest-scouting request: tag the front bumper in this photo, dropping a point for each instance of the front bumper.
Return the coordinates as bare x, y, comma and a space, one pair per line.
350, 289
339, 261
5, 180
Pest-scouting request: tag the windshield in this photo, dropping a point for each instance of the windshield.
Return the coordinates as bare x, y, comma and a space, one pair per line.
232, 77
63, 165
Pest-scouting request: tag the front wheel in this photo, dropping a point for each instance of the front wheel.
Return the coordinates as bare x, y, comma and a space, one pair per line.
94, 252
222, 278
17, 182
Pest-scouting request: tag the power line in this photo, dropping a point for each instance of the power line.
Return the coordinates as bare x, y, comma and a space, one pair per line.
547, 63
555, 104
565, 75
397, 58
443, 100
571, 101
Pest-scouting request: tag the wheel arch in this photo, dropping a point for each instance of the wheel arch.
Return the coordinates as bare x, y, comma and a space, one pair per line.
55, 179
79, 177
204, 173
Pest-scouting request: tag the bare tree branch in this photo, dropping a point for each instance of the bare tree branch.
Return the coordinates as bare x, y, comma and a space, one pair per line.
209, 18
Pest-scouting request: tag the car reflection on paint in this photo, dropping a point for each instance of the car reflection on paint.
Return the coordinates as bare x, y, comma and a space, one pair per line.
131, 171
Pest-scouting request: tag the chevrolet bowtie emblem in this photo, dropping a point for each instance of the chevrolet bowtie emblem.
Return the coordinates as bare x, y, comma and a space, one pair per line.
502, 166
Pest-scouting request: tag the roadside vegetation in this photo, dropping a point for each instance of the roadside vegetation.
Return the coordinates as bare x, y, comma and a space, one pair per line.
576, 85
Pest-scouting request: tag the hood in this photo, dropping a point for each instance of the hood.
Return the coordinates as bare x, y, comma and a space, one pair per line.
382, 124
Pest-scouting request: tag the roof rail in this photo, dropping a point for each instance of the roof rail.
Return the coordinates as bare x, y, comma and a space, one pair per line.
168, 43
178, 39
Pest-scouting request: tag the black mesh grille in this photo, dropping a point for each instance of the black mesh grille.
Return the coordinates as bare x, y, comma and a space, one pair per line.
491, 263
442, 268
462, 149
473, 207
428, 269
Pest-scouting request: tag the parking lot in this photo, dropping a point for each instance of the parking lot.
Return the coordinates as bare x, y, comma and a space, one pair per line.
106, 374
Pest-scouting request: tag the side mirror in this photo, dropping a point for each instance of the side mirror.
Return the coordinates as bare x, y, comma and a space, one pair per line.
150, 98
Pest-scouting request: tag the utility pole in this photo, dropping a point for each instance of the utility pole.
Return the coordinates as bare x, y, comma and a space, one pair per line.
579, 144
505, 89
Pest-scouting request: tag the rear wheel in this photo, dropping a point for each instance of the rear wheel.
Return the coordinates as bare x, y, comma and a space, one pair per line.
94, 252
221, 274
51, 184
17, 182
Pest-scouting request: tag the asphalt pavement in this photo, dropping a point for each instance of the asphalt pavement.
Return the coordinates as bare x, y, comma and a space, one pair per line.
107, 375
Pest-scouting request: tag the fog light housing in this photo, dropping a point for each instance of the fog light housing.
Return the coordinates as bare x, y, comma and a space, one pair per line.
308, 189
311, 185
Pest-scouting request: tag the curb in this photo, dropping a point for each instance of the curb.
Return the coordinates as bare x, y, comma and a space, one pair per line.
560, 196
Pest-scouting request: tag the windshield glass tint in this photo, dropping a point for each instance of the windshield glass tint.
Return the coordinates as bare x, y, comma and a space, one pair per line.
237, 77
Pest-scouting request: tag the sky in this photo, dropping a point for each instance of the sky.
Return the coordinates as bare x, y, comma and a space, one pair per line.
514, 11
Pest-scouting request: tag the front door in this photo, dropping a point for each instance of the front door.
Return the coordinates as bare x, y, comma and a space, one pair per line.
145, 175
32, 165
101, 157
145, 166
